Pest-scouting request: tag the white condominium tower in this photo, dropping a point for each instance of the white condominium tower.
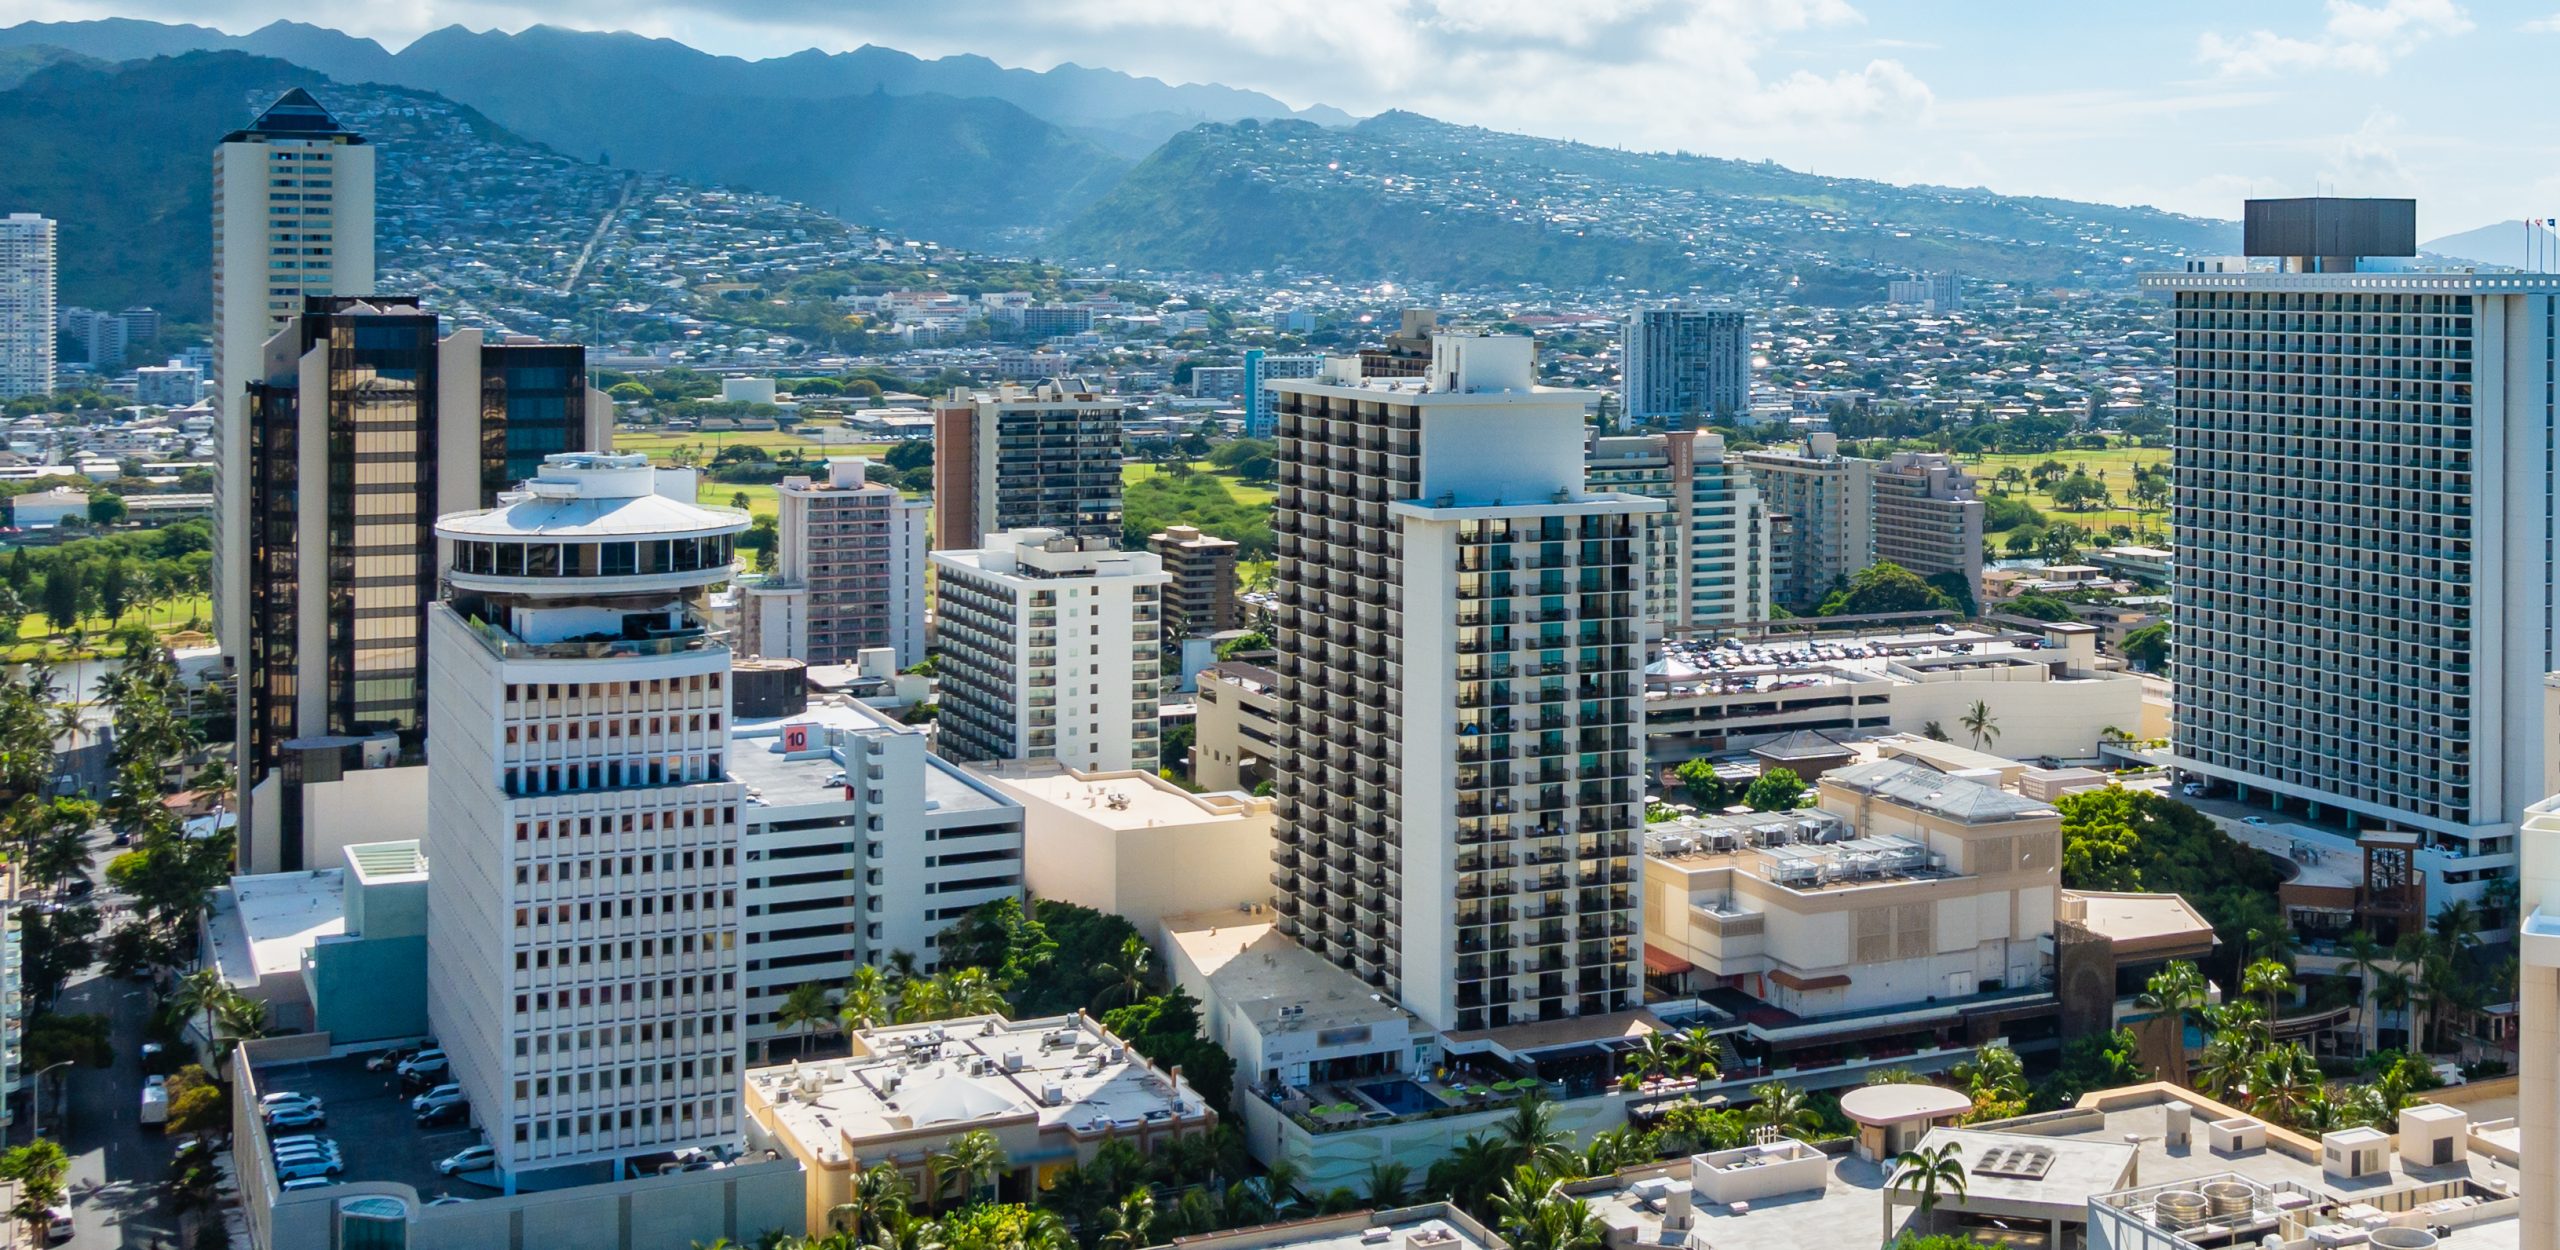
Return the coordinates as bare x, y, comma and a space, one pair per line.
1685, 366
1461, 760
1707, 553
292, 219
27, 275
2363, 520
1052, 648
584, 912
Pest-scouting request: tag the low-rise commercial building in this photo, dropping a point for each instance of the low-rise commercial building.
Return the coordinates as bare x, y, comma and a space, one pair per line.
1133, 844
340, 952
1051, 1091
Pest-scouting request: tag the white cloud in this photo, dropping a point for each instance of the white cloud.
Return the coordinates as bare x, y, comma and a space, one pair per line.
2542, 25
2363, 38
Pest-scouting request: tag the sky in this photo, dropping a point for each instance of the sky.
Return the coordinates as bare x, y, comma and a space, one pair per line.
2181, 104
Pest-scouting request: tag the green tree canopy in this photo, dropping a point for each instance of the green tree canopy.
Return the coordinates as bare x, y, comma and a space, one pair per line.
1885, 587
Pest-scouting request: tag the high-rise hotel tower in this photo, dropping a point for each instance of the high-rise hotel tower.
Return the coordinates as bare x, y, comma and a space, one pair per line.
1460, 771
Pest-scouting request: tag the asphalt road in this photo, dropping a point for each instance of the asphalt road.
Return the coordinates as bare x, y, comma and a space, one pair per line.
119, 1166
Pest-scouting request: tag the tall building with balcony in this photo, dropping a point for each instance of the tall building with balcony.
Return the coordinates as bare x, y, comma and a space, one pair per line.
850, 558
1828, 501
363, 424
584, 911
1927, 515
2363, 511
292, 222
1707, 553
1201, 597
1684, 367
1010, 458
1459, 779
28, 269
1051, 649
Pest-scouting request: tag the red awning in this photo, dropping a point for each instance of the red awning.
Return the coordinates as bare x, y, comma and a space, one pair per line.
1660, 964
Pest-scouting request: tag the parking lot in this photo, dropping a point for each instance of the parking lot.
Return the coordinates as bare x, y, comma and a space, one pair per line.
369, 1118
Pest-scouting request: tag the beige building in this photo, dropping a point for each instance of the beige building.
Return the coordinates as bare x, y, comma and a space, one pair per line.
1904, 886
1133, 844
1928, 516
1236, 726
1201, 599
1052, 1091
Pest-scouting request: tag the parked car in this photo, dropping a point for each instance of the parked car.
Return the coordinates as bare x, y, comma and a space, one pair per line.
449, 1200
436, 1073
307, 1182
303, 1140
467, 1159
298, 1117
303, 1169
439, 1116
2253, 820
442, 1095
57, 1224
286, 1097
431, 1057
327, 1151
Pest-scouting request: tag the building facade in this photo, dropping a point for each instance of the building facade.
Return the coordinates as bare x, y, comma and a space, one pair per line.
2363, 519
859, 844
364, 425
1707, 554
1460, 780
1928, 292
1045, 457
853, 551
1684, 367
1827, 501
1201, 597
1052, 649
292, 221
1927, 515
584, 911
29, 264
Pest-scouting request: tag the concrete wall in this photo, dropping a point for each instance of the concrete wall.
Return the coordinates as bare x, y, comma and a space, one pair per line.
369, 989
1221, 860
2056, 718
740, 1203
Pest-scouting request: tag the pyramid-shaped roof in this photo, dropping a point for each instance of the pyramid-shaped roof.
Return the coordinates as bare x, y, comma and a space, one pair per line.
295, 114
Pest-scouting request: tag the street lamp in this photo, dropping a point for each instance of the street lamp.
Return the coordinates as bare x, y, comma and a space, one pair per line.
35, 1112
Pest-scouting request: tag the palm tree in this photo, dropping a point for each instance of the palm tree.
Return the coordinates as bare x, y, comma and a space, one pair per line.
1705, 1055
1785, 1108
1468, 1174
2394, 992
2267, 979
1653, 1056
2176, 991
971, 992
1387, 1182
1126, 1226
2363, 954
1128, 974
2223, 1070
1927, 1173
201, 992
805, 1008
1535, 1213
2283, 1083
241, 1018
1531, 1138
1979, 722
2457, 927
970, 1156
879, 1200
866, 999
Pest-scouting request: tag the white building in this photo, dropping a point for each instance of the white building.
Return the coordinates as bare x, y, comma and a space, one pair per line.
2363, 521
292, 218
1931, 292
168, 386
45, 509
848, 574
1686, 366
858, 844
1460, 783
1707, 554
1134, 844
28, 261
1051, 650
584, 916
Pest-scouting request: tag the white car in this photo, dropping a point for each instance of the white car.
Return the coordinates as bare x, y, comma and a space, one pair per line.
467, 1159
2253, 820
307, 1182
286, 1098
441, 1096
305, 1169
423, 1061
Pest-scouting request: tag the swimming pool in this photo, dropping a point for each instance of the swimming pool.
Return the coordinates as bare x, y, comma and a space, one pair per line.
1401, 1096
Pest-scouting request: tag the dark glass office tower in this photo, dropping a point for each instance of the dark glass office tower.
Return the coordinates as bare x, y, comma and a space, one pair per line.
409, 424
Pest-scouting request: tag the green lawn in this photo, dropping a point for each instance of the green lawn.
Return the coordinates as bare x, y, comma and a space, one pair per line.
1254, 494
36, 639
2112, 467
662, 447
761, 500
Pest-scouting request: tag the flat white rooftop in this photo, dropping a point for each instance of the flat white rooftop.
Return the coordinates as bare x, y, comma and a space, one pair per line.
264, 924
1116, 800
1274, 981
942, 1079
